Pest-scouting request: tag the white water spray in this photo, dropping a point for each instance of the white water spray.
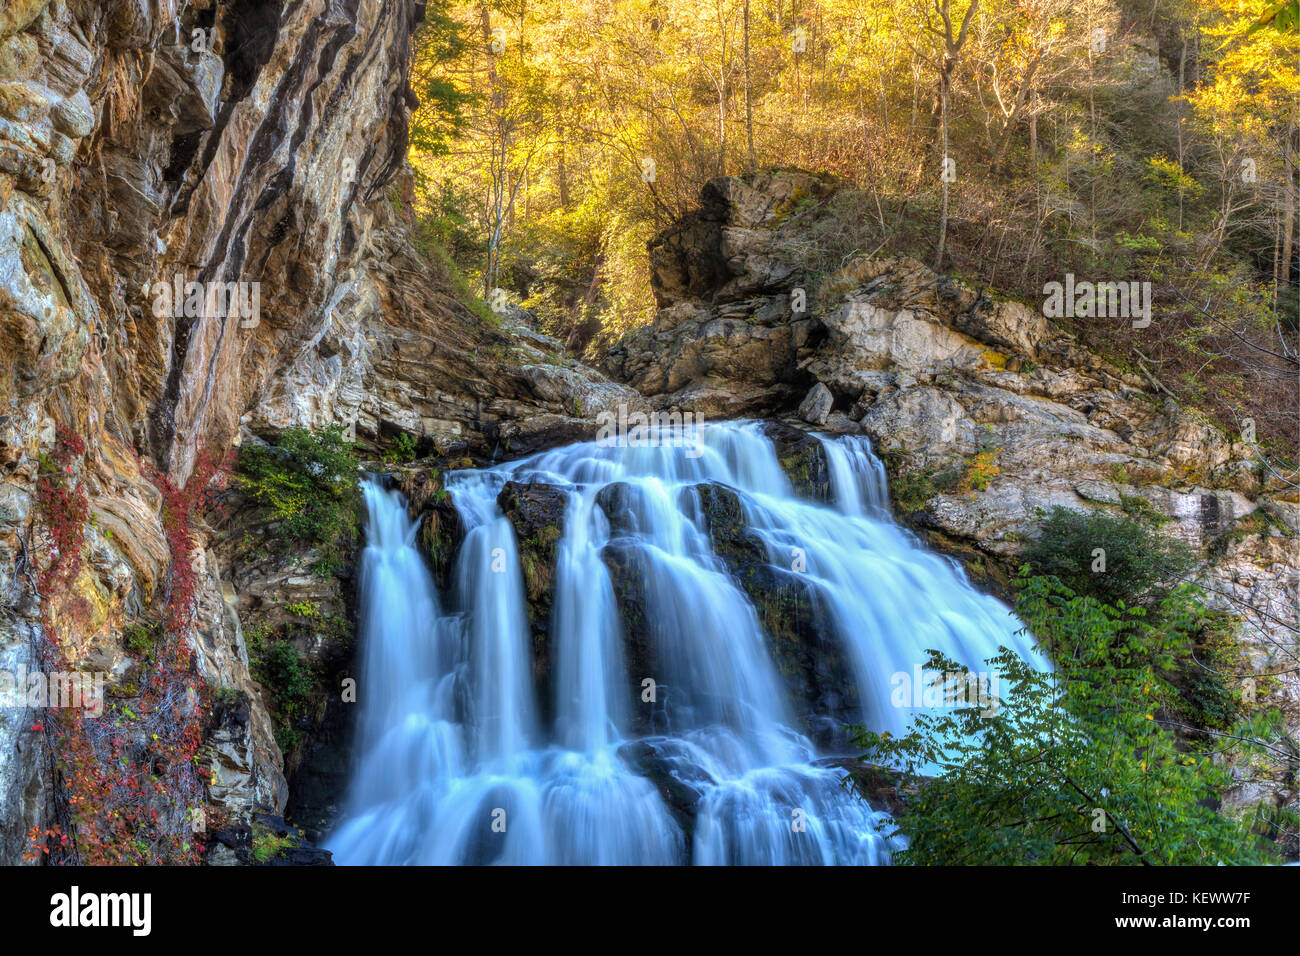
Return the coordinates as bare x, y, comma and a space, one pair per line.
455, 766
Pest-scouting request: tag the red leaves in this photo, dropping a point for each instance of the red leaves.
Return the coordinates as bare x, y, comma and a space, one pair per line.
65, 506
120, 812
179, 507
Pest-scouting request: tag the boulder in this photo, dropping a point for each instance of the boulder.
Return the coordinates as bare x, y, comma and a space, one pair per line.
816, 406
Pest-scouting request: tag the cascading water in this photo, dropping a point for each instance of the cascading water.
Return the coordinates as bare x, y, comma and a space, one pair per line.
455, 766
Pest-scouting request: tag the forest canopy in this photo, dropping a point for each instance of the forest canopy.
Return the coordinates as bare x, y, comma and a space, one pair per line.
1006, 142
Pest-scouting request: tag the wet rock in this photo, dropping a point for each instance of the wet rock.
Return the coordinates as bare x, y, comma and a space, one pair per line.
624, 508
723, 517
680, 782
537, 513
627, 566
803, 458
809, 657
441, 528
266, 841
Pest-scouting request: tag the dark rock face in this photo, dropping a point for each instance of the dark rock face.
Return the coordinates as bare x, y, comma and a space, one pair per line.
266, 841
441, 528
622, 505
734, 327
680, 782
723, 516
537, 512
626, 563
686, 259
803, 459
809, 657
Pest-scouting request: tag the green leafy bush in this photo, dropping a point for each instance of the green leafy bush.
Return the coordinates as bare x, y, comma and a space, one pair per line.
307, 484
1135, 566
1074, 766
403, 448
290, 682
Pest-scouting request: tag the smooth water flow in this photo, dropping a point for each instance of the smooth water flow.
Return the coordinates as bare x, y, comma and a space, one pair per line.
704, 759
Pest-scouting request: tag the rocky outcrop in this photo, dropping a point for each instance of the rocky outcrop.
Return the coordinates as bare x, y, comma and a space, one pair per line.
441, 528
627, 564
803, 458
984, 410
536, 512
732, 323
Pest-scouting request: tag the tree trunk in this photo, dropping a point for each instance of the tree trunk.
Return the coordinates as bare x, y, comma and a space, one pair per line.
943, 176
749, 108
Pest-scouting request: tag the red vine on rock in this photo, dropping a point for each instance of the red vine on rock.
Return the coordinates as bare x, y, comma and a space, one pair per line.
179, 507
130, 780
61, 498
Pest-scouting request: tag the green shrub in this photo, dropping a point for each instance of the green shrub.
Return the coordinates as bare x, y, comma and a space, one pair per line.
291, 683
140, 638
289, 680
1065, 768
1139, 509
1136, 567
911, 490
402, 449
307, 485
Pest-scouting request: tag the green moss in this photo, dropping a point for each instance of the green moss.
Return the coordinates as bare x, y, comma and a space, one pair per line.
1139, 509
267, 845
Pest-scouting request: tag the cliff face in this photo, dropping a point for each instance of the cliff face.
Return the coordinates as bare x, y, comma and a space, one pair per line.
254, 147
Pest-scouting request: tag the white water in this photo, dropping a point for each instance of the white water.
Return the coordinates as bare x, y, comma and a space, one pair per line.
455, 765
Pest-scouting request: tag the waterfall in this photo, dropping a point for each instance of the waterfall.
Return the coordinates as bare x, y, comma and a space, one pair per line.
708, 759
